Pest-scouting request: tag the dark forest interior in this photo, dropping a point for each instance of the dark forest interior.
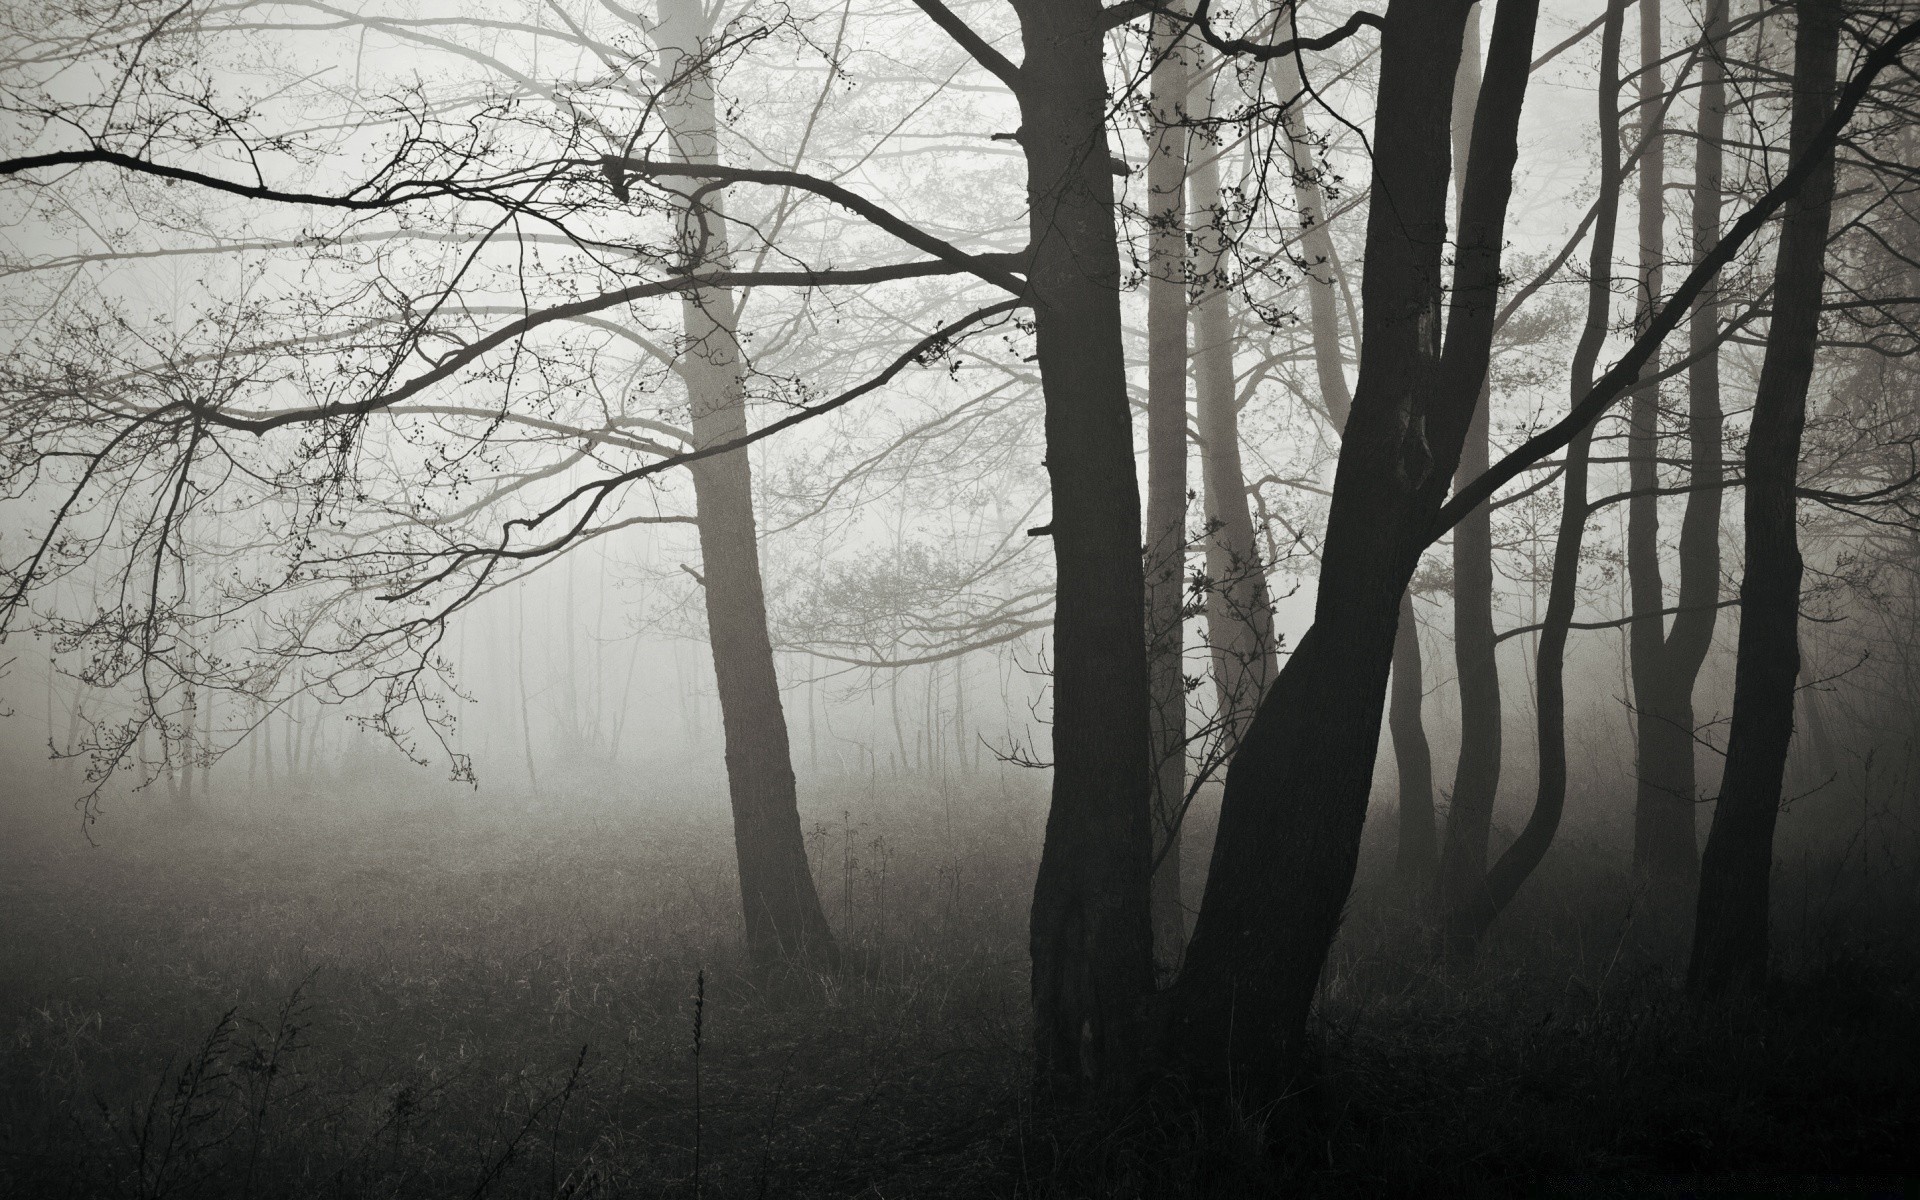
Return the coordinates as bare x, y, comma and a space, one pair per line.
995, 598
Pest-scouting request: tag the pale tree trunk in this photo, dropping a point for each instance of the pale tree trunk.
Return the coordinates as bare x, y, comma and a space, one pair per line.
784, 920
1476, 776
1166, 541
190, 708
1467, 924
1091, 934
1730, 931
1296, 793
1322, 260
517, 600
1240, 634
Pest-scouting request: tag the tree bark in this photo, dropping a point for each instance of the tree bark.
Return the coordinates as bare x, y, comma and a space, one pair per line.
1412, 757
781, 907
1730, 932
1091, 936
1239, 605
1476, 776
1166, 546
1469, 923
1418, 849
1296, 793
1664, 849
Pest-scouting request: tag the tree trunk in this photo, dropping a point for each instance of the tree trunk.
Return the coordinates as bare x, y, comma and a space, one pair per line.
1666, 710
1091, 933
1166, 547
1467, 924
1323, 268
1476, 776
1418, 843
784, 920
1417, 836
1730, 932
1413, 855
1239, 606
1296, 793
1664, 850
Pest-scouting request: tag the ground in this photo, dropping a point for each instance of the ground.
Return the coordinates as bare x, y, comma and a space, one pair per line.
355, 991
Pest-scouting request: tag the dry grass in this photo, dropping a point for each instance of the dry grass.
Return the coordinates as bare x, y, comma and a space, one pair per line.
462, 998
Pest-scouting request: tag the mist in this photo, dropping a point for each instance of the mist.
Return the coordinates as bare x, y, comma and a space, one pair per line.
1034, 599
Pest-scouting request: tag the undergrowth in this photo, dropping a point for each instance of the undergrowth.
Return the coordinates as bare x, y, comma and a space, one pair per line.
272, 998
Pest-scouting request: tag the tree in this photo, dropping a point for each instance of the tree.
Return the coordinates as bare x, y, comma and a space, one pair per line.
784, 919
1296, 790
1166, 540
1730, 930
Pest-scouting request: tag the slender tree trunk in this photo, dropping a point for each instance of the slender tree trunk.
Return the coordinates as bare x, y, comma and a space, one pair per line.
1476, 777
1296, 793
1418, 843
518, 599
1730, 932
1467, 925
190, 709
1667, 722
1664, 850
1166, 542
1091, 933
1239, 606
1323, 269
784, 920
1414, 854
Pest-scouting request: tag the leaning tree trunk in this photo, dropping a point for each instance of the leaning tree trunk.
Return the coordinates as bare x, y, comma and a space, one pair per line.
1166, 546
1091, 936
1417, 840
1664, 849
1296, 793
1476, 774
1466, 925
784, 920
1730, 931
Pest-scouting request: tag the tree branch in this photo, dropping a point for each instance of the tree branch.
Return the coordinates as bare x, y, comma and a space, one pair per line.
1626, 372
972, 42
600, 489
994, 268
451, 364
1120, 14
140, 166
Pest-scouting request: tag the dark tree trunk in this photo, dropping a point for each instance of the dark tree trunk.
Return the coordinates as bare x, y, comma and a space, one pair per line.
1469, 923
1664, 849
1691, 635
1476, 778
1167, 477
1412, 758
1730, 932
1476, 775
784, 920
1091, 935
1296, 793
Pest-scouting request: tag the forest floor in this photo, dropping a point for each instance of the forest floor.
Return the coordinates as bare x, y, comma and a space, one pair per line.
369, 997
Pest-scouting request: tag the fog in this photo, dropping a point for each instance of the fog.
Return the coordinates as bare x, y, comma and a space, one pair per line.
966, 599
